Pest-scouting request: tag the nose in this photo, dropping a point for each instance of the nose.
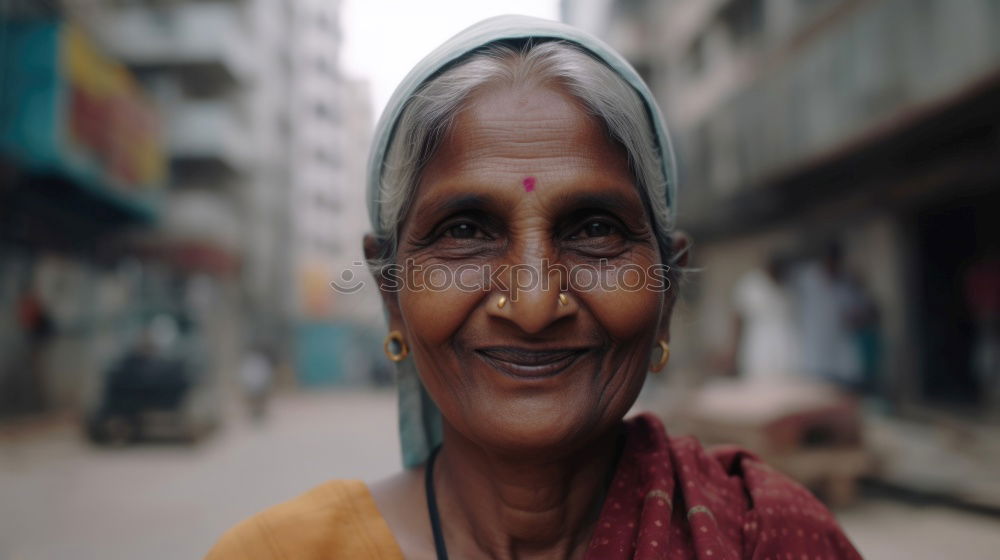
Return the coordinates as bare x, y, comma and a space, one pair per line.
533, 297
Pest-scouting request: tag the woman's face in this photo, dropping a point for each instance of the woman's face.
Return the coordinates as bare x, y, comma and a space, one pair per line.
526, 197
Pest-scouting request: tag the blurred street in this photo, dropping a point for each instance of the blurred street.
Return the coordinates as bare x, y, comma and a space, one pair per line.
63, 498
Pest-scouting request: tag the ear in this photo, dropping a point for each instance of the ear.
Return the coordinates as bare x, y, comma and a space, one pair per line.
680, 251
389, 281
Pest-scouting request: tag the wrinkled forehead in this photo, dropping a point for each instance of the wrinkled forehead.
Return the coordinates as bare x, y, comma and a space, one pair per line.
524, 137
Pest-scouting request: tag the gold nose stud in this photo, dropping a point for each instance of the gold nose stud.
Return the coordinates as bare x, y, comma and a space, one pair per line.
563, 299
501, 302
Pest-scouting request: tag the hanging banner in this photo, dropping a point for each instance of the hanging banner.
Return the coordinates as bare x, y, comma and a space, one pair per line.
67, 110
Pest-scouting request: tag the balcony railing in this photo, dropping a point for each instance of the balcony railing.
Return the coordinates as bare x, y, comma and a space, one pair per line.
207, 36
208, 131
875, 67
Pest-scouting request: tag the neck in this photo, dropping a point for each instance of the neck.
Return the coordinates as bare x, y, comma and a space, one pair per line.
501, 506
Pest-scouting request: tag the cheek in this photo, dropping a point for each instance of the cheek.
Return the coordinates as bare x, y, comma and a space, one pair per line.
434, 311
625, 303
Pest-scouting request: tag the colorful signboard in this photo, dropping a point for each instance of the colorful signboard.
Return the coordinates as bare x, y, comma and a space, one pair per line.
68, 110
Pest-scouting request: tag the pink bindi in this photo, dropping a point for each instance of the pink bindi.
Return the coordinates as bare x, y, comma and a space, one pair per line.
529, 184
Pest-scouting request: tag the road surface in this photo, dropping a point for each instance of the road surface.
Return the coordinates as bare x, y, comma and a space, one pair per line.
61, 498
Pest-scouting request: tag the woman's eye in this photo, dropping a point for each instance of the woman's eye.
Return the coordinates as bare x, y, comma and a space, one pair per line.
462, 231
596, 229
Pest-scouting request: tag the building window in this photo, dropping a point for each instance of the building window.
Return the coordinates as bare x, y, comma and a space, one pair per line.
645, 70
324, 66
633, 8
744, 20
694, 60
329, 246
326, 23
326, 202
324, 156
321, 110
324, 111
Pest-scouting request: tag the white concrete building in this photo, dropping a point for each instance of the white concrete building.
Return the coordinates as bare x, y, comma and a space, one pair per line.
329, 123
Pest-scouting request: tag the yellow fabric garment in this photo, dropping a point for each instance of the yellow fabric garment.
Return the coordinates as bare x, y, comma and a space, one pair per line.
335, 520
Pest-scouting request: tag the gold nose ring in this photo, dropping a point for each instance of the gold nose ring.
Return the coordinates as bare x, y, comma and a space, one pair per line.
563, 299
502, 302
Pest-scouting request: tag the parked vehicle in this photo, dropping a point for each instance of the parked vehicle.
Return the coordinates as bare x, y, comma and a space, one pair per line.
159, 389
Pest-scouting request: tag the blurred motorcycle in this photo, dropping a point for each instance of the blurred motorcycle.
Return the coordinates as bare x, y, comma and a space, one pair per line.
158, 389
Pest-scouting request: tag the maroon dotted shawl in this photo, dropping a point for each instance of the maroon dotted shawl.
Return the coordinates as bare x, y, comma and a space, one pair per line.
672, 499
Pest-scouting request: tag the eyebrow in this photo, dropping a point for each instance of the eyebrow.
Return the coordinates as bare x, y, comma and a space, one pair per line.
448, 205
611, 201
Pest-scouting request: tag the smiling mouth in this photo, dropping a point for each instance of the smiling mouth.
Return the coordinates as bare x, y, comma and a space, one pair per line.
530, 363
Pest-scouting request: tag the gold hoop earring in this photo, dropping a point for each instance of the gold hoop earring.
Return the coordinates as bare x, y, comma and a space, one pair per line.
664, 357
395, 337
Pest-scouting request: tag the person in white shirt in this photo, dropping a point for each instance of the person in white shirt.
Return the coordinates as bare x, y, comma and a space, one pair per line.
826, 302
767, 345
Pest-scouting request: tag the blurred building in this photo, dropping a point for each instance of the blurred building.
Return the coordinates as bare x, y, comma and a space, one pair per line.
327, 126
201, 63
253, 139
870, 122
81, 160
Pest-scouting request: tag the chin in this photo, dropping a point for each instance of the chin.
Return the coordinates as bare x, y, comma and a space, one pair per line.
529, 426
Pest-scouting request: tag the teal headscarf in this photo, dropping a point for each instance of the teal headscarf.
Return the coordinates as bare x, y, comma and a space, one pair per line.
419, 417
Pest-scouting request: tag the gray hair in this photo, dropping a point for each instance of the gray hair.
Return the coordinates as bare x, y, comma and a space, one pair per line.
430, 112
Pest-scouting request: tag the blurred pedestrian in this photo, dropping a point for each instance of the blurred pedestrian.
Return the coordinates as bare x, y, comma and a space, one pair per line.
982, 293
765, 345
866, 327
38, 326
826, 301
256, 376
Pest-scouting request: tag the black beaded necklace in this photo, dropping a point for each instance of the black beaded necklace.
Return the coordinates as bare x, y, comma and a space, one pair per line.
432, 508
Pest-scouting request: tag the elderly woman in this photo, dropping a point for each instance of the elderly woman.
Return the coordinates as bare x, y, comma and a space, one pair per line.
521, 190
